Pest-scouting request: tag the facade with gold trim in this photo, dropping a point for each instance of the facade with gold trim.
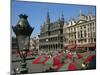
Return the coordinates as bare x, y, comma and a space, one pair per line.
80, 32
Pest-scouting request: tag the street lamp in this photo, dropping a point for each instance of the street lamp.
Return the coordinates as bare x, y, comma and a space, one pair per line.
47, 41
23, 31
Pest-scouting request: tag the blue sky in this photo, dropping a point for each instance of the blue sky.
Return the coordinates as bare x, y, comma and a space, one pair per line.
37, 12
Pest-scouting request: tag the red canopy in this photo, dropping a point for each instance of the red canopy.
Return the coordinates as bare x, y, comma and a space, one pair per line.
36, 60
89, 58
57, 63
79, 56
72, 66
46, 59
56, 60
41, 60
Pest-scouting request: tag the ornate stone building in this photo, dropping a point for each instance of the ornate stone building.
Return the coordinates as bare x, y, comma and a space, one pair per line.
81, 32
34, 43
51, 35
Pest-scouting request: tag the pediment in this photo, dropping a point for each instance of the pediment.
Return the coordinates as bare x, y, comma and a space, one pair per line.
81, 21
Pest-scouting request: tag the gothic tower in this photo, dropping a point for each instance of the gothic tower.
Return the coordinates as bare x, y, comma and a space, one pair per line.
47, 23
48, 18
62, 19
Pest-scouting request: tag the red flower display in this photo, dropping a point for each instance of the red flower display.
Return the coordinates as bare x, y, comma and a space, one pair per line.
72, 66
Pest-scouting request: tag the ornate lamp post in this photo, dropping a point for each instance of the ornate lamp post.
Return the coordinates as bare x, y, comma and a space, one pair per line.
23, 31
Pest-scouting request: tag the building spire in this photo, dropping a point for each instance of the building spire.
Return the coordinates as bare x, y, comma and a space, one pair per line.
48, 18
90, 12
62, 18
80, 12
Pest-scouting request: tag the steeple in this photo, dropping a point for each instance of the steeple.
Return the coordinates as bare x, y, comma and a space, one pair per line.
90, 13
80, 12
48, 18
62, 18
82, 16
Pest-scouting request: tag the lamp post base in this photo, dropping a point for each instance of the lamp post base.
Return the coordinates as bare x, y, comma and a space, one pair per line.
23, 71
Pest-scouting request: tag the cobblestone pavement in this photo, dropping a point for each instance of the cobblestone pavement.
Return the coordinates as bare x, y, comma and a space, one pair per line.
32, 68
